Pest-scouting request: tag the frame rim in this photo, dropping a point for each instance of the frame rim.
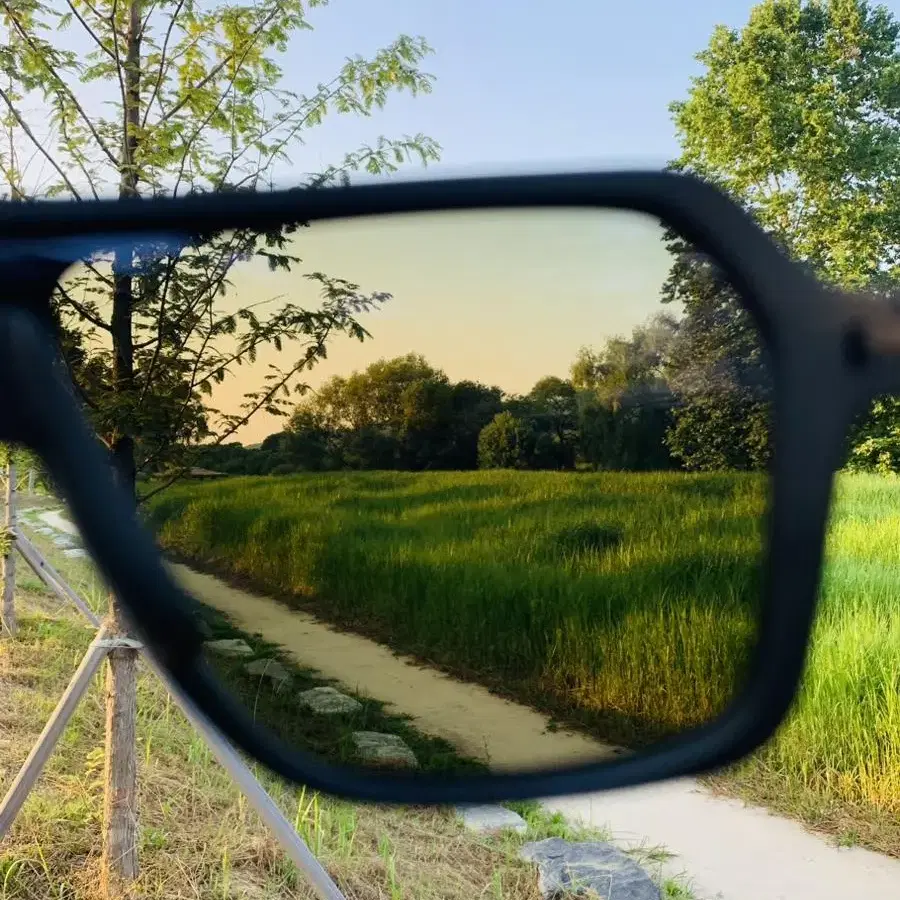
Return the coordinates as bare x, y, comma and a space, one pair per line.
786, 304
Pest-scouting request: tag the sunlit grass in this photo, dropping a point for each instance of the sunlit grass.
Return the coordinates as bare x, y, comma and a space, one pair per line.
626, 600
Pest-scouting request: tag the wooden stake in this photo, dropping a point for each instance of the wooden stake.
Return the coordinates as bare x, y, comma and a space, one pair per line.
9, 558
119, 860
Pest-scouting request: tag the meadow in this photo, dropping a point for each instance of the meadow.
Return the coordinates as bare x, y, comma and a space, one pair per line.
199, 837
624, 602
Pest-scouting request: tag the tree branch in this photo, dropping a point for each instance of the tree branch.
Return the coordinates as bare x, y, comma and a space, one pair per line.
239, 423
38, 145
93, 35
214, 71
162, 62
82, 310
65, 88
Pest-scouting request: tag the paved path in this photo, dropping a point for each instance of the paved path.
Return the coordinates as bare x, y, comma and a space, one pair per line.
729, 851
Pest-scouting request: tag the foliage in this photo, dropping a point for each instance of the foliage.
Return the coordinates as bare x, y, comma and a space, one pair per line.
795, 116
397, 413
624, 400
175, 98
717, 370
552, 409
875, 441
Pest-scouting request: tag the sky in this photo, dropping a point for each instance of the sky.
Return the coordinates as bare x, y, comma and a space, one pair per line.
518, 88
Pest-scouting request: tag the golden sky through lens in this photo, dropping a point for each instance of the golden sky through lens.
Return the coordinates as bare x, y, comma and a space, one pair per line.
502, 297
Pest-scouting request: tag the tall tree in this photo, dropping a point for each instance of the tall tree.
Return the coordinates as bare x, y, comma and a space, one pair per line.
148, 98
797, 116
624, 400
167, 98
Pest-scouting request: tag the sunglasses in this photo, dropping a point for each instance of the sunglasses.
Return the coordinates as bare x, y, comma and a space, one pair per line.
640, 612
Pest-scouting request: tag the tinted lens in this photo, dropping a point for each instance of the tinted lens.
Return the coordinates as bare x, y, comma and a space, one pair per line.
454, 491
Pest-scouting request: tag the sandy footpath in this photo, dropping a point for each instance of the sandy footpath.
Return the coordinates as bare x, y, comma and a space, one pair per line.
477, 722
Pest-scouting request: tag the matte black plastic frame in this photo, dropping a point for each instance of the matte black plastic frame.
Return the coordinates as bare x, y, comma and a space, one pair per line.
823, 372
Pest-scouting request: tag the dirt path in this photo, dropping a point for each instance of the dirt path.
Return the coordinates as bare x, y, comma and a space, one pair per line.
728, 850
477, 722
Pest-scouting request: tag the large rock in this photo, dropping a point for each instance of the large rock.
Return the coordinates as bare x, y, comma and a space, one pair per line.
230, 647
328, 701
268, 668
383, 749
568, 868
491, 819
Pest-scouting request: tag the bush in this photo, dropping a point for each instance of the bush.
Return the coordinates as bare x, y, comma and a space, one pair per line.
506, 443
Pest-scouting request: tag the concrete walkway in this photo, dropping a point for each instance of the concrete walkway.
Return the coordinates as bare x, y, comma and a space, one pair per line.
726, 850
729, 851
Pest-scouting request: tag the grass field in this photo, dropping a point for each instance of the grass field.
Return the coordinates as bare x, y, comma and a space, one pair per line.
199, 838
626, 601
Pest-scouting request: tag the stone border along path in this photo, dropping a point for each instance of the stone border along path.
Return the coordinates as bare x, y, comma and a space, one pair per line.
727, 850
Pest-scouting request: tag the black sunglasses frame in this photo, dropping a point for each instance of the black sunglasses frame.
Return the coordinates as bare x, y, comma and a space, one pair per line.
827, 358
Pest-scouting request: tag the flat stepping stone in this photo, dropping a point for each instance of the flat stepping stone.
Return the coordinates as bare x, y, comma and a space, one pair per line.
230, 647
268, 668
64, 541
75, 553
44, 530
491, 819
592, 868
384, 749
328, 701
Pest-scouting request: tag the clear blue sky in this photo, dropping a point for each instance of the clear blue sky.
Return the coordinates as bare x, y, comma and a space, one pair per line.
578, 82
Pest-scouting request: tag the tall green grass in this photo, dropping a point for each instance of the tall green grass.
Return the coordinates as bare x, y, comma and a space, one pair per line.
626, 600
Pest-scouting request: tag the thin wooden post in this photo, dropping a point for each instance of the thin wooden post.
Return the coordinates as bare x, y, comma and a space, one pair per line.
119, 858
105, 645
9, 558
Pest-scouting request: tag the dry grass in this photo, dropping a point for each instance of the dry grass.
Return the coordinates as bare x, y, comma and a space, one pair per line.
199, 838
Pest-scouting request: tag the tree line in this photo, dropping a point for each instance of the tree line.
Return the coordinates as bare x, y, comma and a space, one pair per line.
661, 398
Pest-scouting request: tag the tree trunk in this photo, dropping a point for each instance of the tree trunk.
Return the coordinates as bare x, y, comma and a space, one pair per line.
9, 558
120, 809
119, 864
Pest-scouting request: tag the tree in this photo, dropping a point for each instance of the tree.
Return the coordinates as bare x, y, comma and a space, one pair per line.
506, 443
398, 413
718, 371
171, 97
624, 400
795, 116
473, 406
197, 104
554, 417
